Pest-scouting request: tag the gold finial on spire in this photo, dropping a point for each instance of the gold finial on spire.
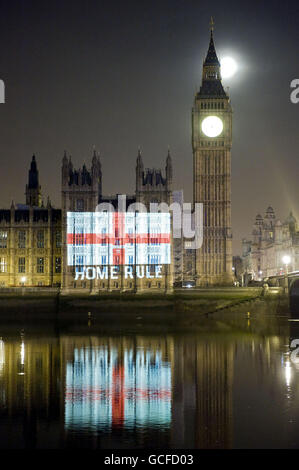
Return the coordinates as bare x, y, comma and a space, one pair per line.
212, 24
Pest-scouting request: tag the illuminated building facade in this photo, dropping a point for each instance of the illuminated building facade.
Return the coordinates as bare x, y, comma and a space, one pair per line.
119, 250
212, 142
30, 240
271, 241
36, 241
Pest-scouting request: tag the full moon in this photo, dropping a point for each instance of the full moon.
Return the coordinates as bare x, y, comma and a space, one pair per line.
228, 67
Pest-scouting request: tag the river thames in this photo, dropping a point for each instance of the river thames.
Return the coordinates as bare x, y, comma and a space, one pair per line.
228, 381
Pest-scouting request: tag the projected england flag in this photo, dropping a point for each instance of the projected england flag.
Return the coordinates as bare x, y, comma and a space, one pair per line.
116, 239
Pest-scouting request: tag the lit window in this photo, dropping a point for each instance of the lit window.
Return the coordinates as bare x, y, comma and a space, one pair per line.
57, 265
22, 265
22, 239
40, 239
3, 239
3, 265
40, 265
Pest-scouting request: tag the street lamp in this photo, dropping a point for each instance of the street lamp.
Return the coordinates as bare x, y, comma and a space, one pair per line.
286, 260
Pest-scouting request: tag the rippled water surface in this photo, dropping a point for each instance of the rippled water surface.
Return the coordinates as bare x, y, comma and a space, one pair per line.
229, 382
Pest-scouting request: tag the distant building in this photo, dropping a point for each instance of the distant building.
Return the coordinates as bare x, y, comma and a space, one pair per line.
271, 241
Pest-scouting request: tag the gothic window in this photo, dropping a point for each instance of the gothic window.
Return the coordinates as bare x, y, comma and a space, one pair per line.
80, 205
40, 265
22, 265
40, 239
58, 239
57, 265
22, 239
3, 265
3, 239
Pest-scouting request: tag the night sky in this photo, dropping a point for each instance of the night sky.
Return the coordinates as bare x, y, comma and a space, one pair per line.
123, 74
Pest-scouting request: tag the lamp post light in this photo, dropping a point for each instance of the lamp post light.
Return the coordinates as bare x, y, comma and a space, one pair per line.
286, 261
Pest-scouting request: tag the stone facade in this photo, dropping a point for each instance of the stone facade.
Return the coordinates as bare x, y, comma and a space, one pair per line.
30, 240
271, 241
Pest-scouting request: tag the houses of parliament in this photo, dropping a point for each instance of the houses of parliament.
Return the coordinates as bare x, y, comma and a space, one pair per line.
33, 235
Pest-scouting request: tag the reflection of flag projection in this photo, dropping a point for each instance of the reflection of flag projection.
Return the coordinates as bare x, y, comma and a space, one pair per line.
99, 238
103, 392
118, 396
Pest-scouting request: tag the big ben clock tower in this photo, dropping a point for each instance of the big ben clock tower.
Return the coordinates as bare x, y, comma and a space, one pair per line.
212, 142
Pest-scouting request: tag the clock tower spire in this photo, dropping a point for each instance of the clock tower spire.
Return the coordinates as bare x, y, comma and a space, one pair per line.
211, 144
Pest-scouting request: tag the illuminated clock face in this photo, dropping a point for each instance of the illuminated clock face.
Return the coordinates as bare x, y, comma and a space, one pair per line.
212, 126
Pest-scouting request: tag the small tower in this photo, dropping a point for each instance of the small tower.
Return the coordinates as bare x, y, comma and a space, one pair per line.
80, 192
139, 172
151, 185
291, 221
33, 188
96, 173
64, 169
168, 171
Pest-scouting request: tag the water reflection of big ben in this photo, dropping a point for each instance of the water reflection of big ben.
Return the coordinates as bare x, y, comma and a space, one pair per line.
202, 393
